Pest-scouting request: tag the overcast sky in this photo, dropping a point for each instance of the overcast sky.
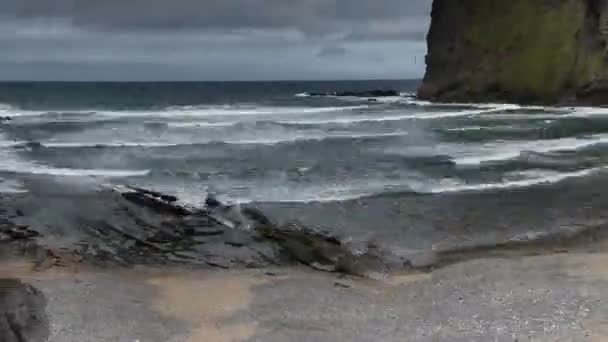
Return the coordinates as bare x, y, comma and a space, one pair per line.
212, 39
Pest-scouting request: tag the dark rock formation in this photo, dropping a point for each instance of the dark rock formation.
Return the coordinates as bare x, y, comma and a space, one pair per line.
22, 313
241, 226
526, 51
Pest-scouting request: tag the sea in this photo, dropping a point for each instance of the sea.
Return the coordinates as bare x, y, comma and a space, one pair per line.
393, 168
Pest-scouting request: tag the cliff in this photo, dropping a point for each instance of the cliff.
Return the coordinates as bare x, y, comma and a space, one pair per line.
526, 51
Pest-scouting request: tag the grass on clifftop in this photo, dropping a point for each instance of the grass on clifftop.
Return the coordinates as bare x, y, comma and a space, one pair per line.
532, 46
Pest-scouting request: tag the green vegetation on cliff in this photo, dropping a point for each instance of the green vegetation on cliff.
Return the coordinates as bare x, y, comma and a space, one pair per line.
527, 50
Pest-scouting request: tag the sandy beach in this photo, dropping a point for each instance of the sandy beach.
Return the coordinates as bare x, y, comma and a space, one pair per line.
557, 297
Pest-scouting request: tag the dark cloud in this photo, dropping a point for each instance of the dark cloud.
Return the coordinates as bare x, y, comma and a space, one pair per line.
212, 39
306, 15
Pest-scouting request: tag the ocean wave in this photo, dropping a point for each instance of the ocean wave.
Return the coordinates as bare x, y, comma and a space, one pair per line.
353, 190
184, 111
4, 107
244, 141
538, 178
386, 118
11, 186
585, 112
505, 151
478, 128
344, 120
200, 124
237, 110
53, 171
13, 163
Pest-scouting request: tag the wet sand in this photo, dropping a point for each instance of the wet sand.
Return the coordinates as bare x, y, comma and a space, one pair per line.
544, 298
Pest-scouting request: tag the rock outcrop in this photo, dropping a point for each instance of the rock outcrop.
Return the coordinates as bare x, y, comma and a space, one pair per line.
525, 51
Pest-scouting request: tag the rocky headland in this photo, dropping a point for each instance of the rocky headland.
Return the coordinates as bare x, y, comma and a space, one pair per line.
523, 51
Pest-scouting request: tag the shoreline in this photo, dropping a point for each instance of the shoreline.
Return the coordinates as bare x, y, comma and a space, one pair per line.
469, 301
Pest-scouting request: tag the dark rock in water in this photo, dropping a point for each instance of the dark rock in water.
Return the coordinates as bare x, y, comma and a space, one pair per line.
140, 226
5, 118
22, 313
369, 93
242, 228
325, 252
164, 197
212, 202
34, 145
257, 216
156, 201
521, 51
13, 232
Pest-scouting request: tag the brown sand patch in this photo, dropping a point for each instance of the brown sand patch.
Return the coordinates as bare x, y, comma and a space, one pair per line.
400, 280
207, 302
585, 266
24, 269
598, 330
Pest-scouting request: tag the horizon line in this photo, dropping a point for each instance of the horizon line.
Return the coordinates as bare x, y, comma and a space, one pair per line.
208, 81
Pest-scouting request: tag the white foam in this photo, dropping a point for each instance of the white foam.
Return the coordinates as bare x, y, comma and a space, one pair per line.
466, 129
11, 162
337, 120
45, 170
5, 107
186, 111
510, 150
201, 124
11, 186
385, 118
271, 141
211, 111
24, 167
91, 144
584, 112
480, 128
323, 193
258, 140
540, 178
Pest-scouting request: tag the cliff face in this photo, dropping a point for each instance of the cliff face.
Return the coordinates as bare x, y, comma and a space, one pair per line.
530, 51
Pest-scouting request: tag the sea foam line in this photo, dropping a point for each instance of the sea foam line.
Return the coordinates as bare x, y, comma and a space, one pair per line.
550, 179
184, 111
11, 162
255, 141
499, 152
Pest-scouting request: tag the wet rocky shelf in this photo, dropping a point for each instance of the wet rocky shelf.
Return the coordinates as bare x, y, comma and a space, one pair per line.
129, 226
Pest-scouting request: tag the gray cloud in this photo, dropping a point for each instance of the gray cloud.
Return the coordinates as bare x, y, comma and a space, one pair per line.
160, 39
332, 51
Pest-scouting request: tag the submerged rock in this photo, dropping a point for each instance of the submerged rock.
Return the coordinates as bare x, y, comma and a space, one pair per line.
523, 51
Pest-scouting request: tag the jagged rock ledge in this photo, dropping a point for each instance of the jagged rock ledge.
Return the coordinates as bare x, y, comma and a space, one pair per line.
139, 226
